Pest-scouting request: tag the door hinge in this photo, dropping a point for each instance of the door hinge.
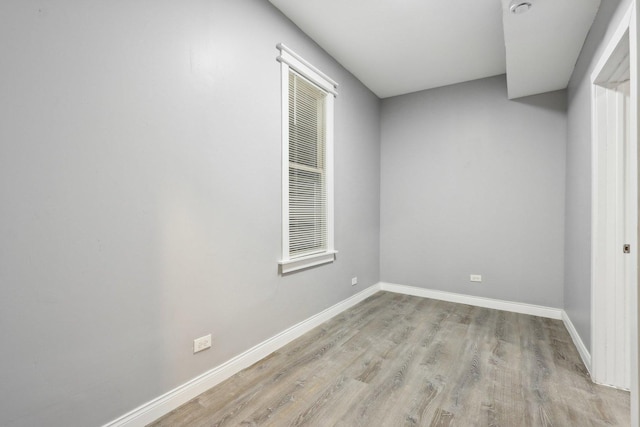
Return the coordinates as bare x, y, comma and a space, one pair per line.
626, 249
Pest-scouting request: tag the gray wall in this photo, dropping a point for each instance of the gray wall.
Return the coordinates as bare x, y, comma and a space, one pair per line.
140, 189
577, 290
473, 183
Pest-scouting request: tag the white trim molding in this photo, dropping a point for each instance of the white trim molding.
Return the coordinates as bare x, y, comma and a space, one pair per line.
515, 307
614, 208
634, 294
169, 401
293, 64
300, 65
577, 341
294, 264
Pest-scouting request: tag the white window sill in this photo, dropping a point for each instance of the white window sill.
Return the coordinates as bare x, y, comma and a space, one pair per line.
290, 265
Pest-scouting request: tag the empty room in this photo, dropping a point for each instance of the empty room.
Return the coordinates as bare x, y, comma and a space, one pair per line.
321, 212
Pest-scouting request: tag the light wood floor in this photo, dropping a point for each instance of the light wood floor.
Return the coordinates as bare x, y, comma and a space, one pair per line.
397, 360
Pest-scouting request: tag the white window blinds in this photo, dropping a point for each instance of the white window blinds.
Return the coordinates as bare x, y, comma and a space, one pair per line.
307, 183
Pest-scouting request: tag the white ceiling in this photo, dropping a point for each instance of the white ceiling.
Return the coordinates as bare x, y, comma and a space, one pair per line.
400, 46
542, 45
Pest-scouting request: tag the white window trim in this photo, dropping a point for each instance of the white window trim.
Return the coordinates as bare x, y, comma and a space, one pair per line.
290, 60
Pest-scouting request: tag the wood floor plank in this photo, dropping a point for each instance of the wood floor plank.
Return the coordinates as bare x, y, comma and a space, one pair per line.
398, 360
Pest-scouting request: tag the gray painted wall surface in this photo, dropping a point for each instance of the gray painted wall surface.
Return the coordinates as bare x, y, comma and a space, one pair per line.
577, 288
140, 189
473, 183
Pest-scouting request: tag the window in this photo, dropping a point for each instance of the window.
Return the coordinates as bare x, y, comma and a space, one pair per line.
307, 164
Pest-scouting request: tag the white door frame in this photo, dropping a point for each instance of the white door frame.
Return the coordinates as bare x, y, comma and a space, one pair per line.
634, 134
603, 266
614, 218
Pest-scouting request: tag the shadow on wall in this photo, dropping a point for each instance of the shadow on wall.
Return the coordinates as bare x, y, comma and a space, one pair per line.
544, 101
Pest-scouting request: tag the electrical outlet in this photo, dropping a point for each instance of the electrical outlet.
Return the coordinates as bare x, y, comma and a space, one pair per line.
354, 281
475, 278
202, 343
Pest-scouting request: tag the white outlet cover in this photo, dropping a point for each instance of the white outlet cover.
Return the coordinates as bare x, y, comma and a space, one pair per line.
202, 343
475, 278
354, 281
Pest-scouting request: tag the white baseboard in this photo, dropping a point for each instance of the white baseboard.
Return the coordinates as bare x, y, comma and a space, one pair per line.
169, 401
516, 307
582, 349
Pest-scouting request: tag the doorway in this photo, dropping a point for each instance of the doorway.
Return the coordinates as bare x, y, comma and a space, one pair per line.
614, 216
